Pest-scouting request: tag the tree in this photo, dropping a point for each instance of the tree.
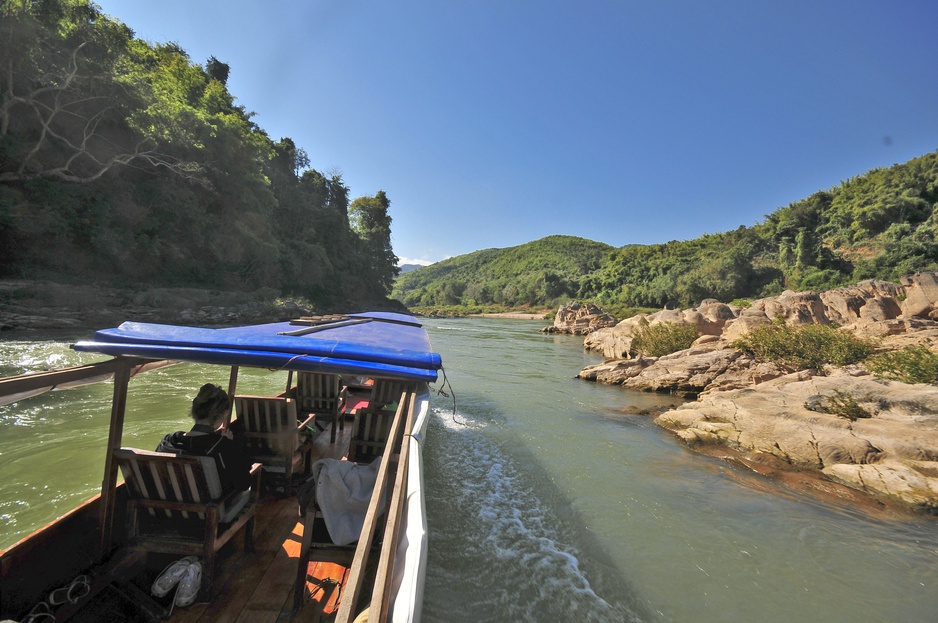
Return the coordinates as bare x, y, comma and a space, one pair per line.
372, 223
62, 114
217, 70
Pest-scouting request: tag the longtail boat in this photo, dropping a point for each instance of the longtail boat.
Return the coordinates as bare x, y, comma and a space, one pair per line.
355, 397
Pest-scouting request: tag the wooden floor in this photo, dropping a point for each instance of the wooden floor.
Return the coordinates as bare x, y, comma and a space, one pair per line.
257, 587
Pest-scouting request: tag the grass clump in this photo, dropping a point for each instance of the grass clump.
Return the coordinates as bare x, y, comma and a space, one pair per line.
842, 404
805, 347
912, 364
664, 338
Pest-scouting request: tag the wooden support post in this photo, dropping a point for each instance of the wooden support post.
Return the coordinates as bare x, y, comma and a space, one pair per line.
232, 387
115, 434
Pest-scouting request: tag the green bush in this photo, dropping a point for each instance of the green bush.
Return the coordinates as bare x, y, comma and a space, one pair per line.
843, 404
913, 364
806, 347
663, 338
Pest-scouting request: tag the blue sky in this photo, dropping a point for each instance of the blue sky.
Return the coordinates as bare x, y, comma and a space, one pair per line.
491, 123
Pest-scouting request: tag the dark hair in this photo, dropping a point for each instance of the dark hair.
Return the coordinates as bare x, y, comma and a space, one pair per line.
211, 402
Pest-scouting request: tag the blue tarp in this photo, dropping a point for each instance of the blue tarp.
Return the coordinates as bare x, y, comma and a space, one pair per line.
368, 344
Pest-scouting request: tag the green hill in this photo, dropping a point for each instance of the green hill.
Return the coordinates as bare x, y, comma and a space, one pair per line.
535, 274
883, 224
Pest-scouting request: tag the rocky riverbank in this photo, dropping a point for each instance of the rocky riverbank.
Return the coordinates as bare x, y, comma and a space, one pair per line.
44, 306
765, 412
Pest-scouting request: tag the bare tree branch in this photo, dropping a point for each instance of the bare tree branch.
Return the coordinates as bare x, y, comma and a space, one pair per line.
65, 139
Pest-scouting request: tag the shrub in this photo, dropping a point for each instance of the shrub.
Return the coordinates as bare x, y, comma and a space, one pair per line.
655, 340
806, 347
842, 404
913, 364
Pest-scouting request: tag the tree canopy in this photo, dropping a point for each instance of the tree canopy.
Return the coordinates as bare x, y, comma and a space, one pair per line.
127, 161
538, 273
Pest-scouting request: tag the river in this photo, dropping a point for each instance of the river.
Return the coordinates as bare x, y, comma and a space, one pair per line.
547, 498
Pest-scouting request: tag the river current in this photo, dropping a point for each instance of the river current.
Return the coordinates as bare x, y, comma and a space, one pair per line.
547, 499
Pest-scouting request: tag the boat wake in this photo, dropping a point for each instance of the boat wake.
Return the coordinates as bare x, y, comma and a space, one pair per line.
497, 551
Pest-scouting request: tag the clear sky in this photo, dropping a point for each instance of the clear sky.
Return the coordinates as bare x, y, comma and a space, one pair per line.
491, 123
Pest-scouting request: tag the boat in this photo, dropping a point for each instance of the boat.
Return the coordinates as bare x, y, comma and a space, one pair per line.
92, 561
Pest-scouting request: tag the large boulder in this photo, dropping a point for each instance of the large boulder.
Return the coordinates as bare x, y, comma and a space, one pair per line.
921, 290
872, 300
580, 319
797, 308
705, 367
610, 342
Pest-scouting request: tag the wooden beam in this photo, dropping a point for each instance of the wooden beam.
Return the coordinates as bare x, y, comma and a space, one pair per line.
232, 387
381, 593
115, 434
353, 590
39, 380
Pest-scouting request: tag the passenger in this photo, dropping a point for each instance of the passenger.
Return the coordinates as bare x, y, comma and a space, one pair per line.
210, 410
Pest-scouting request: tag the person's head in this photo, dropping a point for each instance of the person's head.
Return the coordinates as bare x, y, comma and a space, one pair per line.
210, 406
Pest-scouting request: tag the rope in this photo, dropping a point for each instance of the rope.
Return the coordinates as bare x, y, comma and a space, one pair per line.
452, 394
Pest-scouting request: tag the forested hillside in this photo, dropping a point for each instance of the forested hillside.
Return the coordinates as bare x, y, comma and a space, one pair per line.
883, 224
532, 274
127, 162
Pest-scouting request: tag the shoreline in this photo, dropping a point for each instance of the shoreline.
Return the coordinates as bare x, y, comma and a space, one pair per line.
512, 315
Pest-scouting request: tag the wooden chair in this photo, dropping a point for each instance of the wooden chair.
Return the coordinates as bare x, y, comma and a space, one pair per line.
177, 506
373, 423
322, 395
272, 436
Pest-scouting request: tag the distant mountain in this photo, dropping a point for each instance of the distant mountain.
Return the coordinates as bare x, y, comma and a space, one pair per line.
879, 225
536, 273
406, 268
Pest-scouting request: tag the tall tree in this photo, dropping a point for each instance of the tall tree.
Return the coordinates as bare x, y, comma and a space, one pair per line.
217, 70
371, 221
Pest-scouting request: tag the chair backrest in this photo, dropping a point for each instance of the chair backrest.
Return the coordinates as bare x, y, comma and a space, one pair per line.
372, 430
317, 392
386, 392
169, 477
373, 423
270, 425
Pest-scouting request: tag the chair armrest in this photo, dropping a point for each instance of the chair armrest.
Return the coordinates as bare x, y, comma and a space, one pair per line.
307, 422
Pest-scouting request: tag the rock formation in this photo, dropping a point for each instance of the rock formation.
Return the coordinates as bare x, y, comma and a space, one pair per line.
760, 408
580, 319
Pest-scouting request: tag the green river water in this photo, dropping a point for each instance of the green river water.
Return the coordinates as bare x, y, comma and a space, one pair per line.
546, 500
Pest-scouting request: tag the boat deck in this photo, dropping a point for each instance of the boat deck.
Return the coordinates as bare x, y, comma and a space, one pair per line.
257, 587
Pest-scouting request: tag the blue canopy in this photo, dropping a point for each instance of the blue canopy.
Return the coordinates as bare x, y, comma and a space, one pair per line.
368, 344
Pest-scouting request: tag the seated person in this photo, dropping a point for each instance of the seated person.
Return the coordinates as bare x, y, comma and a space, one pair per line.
210, 410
